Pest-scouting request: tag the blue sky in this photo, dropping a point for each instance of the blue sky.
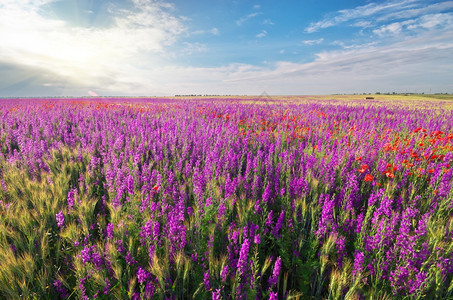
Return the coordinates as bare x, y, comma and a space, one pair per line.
145, 47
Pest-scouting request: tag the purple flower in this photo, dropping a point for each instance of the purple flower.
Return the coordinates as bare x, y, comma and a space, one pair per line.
257, 239
149, 290
60, 219
277, 266
224, 273
273, 295
85, 254
109, 231
221, 211
142, 275
216, 295
206, 282
130, 259
61, 290
70, 199
359, 259
279, 224
130, 184
242, 262
107, 286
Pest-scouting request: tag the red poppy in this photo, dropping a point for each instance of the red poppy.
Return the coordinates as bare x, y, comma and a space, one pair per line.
389, 174
156, 187
431, 171
363, 168
369, 177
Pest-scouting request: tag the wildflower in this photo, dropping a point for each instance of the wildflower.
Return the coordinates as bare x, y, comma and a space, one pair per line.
279, 224
273, 295
149, 290
70, 200
130, 259
60, 219
363, 168
257, 239
216, 294
224, 273
61, 290
142, 275
206, 281
109, 231
369, 177
85, 254
156, 188
242, 262
277, 266
359, 258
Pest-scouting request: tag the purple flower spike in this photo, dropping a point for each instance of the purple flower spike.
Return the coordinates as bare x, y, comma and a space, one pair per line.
60, 219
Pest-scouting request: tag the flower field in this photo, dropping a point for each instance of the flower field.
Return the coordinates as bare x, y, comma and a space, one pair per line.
225, 199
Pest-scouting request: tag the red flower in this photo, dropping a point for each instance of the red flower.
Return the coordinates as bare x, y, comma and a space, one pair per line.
363, 168
431, 171
156, 187
389, 174
369, 177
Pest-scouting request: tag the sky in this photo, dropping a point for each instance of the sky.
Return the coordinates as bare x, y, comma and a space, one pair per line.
220, 47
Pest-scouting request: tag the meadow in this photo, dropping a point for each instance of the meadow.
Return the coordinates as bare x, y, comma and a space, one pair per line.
329, 197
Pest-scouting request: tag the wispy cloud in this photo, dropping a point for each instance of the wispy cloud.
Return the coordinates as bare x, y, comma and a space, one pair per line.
247, 17
191, 48
442, 21
416, 12
313, 42
213, 31
261, 34
268, 22
371, 10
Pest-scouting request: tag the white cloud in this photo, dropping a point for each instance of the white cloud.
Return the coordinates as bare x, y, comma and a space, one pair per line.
247, 17
213, 31
363, 24
191, 48
443, 22
371, 10
423, 62
352, 46
82, 55
391, 29
261, 34
313, 42
256, 6
416, 12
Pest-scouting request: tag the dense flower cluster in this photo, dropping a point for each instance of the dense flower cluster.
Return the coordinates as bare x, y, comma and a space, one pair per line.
225, 198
